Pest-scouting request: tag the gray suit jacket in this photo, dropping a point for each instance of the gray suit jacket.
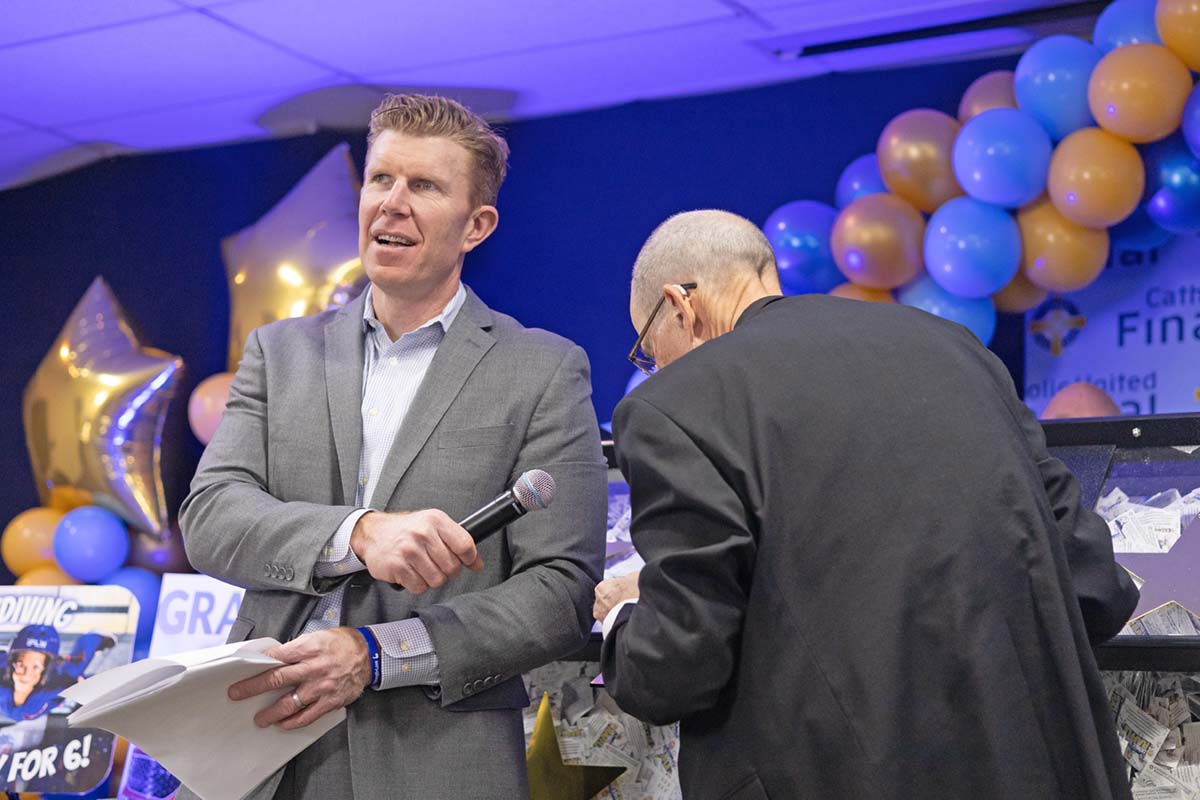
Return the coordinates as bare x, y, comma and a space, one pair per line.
279, 477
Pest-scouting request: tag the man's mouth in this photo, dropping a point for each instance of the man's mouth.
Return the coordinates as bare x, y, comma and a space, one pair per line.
395, 240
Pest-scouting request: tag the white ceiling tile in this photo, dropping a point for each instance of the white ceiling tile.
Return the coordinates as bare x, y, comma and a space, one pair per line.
374, 36
166, 62
11, 126
697, 59
31, 155
24, 20
194, 125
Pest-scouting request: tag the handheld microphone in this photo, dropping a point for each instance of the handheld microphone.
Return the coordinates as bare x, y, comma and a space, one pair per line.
533, 490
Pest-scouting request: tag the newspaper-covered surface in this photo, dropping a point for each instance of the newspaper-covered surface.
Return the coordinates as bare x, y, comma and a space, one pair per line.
1157, 715
592, 730
1151, 524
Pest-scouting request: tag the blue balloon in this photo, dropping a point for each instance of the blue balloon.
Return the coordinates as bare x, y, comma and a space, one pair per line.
1138, 232
1125, 22
1191, 121
1051, 83
859, 178
1002, 157
90, 542
799, 235
1169, 162
1172, 184
144, 585
978, 315
972, 249
1176, 209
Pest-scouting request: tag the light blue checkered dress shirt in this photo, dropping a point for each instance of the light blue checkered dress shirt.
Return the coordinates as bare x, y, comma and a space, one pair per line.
392, 374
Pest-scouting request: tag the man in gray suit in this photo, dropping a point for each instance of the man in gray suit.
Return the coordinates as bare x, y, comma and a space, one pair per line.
414, 396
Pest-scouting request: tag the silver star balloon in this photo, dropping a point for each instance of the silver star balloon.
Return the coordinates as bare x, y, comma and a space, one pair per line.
94, 414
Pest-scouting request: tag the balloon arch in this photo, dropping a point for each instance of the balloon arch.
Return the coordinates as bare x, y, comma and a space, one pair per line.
1086, 147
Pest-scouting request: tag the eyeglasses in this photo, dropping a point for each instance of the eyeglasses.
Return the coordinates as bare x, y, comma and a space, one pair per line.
637, 356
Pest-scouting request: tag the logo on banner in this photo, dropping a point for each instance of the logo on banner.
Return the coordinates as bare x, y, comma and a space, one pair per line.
52, 638
1055, 324
1134, 332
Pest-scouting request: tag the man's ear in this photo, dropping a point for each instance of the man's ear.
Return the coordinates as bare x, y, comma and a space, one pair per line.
480, 226
681, 309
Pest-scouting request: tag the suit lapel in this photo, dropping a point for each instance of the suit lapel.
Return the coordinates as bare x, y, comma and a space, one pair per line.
343, 387
462, 348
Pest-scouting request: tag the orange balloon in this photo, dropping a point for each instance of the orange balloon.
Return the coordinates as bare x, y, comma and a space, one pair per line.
992, 90
1178, 23
207, 404
46, 576
1057, 254
28, 541
1138, 92
877, 241
852, 291
1095, 178
1019, 296
915, 157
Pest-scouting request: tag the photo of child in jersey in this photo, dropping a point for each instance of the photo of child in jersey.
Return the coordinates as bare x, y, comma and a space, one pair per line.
34, 673
50, 641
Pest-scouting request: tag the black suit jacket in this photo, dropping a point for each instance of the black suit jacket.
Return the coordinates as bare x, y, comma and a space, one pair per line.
865, 576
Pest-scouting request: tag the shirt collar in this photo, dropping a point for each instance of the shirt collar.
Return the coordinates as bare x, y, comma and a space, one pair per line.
444, 319
754, 309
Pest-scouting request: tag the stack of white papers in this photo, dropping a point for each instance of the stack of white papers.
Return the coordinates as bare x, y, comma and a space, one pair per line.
176, 709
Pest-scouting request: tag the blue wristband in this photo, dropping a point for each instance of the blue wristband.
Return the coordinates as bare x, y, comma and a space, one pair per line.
376, 657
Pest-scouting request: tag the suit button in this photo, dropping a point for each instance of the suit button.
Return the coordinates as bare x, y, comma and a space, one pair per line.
468, 689
478, 685
290, 574
488, 681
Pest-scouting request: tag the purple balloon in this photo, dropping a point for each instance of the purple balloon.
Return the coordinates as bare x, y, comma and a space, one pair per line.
160, 554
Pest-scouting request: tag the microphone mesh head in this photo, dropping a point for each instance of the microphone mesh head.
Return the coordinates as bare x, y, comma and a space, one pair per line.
534, 489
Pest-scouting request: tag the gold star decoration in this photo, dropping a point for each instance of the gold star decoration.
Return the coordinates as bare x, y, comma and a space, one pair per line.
94, 413
301, 257
549, 777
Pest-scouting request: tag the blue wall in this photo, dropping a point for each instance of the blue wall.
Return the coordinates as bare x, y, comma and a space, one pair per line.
583, 193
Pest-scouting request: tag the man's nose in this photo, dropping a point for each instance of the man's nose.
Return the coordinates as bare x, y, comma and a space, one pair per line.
397, 201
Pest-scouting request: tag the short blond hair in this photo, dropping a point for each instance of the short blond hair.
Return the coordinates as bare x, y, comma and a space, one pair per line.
431, 115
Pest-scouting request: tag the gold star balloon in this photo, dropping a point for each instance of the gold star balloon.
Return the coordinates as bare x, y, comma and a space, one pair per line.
549, 777
94, 414
301, 257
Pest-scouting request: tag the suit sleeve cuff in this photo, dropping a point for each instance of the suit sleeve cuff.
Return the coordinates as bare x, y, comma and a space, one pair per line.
336, 556
408, 657
610, 618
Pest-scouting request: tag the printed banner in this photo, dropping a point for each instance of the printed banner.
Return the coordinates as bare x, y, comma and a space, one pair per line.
1135, 333
54, 637
194, 612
